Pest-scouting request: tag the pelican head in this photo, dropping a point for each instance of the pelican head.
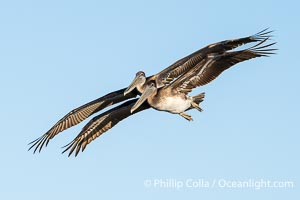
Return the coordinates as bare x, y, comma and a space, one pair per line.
150, 90
138, 82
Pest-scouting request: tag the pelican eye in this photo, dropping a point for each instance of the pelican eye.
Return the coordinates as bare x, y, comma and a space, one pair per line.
140, 73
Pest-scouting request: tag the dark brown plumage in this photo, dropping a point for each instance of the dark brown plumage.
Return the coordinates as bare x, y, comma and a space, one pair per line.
100, 124
79, 114
214, 64
185, 64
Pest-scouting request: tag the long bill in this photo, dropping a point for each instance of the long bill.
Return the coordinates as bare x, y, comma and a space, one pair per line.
148, 92
136, 81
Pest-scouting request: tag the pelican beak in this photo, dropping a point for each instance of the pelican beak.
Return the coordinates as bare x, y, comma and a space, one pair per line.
148, 92
136, 81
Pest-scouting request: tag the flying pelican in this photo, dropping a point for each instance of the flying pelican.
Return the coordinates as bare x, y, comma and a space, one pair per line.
167, 75
174, 97
107, 120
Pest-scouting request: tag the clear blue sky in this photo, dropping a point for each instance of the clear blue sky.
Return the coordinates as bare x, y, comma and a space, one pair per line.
57, 55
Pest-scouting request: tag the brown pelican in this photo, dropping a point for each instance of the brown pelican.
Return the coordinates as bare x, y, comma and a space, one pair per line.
167, 75
107, 120
174, 97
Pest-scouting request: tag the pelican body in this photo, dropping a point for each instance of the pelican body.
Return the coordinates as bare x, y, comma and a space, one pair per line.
169, 100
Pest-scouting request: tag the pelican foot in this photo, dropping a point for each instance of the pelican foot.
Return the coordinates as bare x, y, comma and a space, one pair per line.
194, 105
186, 116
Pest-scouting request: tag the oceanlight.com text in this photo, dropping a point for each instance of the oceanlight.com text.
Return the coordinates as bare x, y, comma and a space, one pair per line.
221, 183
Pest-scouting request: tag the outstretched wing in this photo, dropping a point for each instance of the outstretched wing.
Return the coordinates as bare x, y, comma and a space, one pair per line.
185, 64
215, 64
102, 123
79, 114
